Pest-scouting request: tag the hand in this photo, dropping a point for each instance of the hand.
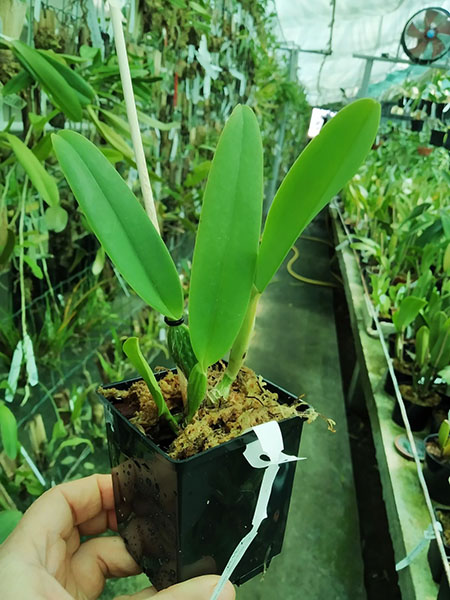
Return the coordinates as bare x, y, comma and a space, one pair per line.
43, 558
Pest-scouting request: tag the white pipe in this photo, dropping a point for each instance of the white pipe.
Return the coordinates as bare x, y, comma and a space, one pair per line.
125, 76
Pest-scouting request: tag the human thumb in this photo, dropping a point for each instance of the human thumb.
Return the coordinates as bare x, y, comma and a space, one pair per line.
199, 588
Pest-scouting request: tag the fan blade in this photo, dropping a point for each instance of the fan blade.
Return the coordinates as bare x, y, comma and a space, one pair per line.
412, 31
444, 28
430, 16
438, 47
418, 50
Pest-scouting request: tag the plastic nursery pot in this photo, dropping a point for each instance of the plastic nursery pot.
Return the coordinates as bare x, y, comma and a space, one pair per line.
444, 589
184, 518
436, 475
434, 556
440, 109
416, 125
437, 137
447, 140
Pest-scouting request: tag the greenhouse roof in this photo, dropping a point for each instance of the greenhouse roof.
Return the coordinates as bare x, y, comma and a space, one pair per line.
344, 28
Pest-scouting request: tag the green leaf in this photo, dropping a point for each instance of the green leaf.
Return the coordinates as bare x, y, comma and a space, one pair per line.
440, 352
81, 87
99, 262
56, 218
436, 326
57, 88
8, 521
8, 431
198, 174
407, 311
35, 268
42, 181
120, 223
196, 390
226, 247
444, 432
71, 443
111, 136
8, 248
156, 124
17, 83
422, 345
134, 354
321, 170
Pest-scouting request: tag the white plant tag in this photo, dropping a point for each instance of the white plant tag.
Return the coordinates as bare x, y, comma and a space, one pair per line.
14, 372
264, 453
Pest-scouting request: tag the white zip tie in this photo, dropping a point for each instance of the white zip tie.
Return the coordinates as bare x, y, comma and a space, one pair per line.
434, 522
127, 85
270, 445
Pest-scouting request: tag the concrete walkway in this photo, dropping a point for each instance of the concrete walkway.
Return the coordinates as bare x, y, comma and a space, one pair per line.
295, 346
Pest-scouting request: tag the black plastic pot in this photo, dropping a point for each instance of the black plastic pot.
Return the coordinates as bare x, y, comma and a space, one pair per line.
447, 140
440, 109
184, 518
416, 125
444, 590
437, 137
418, 416
434, 558
436, 475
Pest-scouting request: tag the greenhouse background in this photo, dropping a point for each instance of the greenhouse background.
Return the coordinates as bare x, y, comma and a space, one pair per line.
355, 322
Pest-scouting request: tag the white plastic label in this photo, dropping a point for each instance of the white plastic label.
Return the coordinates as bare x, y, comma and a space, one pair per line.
264, 453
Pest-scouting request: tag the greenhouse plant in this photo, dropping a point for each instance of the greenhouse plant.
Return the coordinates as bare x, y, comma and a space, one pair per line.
173, 457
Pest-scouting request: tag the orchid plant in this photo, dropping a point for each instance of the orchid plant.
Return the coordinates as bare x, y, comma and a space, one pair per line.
232, 263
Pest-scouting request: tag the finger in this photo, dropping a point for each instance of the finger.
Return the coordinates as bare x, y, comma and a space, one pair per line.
100, 523
99, 559
108, 554
142, 595
199, 588
71, 504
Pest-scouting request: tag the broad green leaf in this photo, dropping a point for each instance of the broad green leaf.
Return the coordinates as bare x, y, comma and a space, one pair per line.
8, 431
321, 170
81, 87
8, 521
42, 181
226, 247
57, 88
112, 154
111, 136
17, 83
134, 354
39, 121
120, 224
119, 124
35, 268
422, 345
56, 218
407, 311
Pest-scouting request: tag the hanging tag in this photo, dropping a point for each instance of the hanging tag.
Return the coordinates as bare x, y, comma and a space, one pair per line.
264, 453
428, 535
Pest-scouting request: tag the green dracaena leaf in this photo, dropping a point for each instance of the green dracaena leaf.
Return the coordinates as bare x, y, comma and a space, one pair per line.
44, 183
226, 247
133, 351
120, 223
58, 89
321, 170
8, 521
407, 311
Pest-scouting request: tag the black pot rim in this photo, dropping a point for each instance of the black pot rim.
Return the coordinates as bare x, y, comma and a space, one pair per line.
445, 465
242, 440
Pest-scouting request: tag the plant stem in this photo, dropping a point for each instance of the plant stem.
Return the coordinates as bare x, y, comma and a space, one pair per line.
21, 255
240, 346
125, 76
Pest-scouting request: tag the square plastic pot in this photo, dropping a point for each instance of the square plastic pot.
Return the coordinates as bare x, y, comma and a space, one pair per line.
434, 556
436, 475
184, 518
